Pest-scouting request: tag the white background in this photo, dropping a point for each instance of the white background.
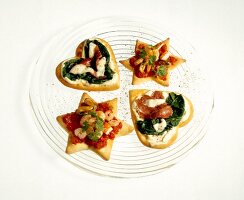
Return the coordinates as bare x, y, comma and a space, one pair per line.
30, 169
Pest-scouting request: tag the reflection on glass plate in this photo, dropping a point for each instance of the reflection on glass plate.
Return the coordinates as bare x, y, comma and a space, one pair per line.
129, 158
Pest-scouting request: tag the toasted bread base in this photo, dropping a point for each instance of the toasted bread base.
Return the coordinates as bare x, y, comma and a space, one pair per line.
137, 81
133, 94
105, 151
87, 86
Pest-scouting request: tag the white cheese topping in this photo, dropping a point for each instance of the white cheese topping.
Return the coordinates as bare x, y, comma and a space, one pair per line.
154, 102
165, 94
159, 127
92, 47
161, 139
109, 130
80, 69
166, 56
149, 93
101, 67
79, 133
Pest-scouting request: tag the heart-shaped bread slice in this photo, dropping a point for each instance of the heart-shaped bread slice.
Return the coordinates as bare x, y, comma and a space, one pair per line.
94, 67
158, 115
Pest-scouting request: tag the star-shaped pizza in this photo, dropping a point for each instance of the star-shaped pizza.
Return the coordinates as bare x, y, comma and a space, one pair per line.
152, 63
93, 126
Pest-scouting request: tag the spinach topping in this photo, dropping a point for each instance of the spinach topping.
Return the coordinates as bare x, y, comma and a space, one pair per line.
178, 105
108, 74
146, 126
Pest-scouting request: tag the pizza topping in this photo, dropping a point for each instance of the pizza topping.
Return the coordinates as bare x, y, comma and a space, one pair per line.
161, 70
93, 67
150, 107
158, 112
101, 67
159, 127
152, 61
94, 126
154, 102
162, 111
84, 109
80, 133
92, 48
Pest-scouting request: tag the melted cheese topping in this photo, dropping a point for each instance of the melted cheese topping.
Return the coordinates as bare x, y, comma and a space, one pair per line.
154, 102
85, 82
101, 67
81, 69
159, 127
166, 56
161, 139
92, 47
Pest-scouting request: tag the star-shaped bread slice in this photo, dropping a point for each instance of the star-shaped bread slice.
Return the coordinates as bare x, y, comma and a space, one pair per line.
152, 63
93, 126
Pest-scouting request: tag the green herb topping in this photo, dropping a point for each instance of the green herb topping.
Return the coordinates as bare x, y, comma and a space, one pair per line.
142, 53
108, 74
161, 71
94, 136
178, 105
152, 59
85, 126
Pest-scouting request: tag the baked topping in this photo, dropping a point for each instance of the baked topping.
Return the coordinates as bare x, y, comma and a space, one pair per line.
154, 106
93, 66
158, 112
153, 61
93, 127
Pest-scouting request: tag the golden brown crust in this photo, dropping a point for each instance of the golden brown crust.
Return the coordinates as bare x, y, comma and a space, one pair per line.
91, 87
163, 82
177, 63
185, 122
133, 94
105, 151
126, 63
79, 49
137, 81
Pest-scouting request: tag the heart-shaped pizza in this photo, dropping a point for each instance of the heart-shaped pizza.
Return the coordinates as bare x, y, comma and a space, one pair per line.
157, 116
94, 67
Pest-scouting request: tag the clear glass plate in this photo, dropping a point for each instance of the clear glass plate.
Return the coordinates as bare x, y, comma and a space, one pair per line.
129, 158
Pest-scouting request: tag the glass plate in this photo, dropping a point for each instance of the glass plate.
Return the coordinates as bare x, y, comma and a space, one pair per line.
129, 158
